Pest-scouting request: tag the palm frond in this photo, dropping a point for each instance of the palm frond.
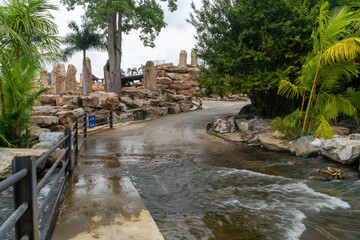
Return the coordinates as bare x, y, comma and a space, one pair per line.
324, 130
345, 50
289, 90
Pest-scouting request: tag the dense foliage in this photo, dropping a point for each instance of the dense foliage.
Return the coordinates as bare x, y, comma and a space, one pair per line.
333, 59
250, 45
27, 39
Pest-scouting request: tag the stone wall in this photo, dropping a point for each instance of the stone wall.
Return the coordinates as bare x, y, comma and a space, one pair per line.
179, 79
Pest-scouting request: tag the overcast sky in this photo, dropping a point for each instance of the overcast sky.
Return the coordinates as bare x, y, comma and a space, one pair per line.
177, 36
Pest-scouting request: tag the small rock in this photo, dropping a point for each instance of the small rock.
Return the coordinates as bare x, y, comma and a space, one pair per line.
327, 174
341, 130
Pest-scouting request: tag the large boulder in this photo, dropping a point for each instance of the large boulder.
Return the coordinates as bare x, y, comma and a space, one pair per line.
341, 130
107, 100
48, 140
45, 121
270, 143
340, 149
262, 125
67, 100
88, 101
163, 80
137, 93
178, 76
180, 85
126, 116
66, 118
302, 147
174, 108
49, 99
7, 155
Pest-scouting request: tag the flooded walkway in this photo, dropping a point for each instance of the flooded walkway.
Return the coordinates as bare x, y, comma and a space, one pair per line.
102, 202
196, 186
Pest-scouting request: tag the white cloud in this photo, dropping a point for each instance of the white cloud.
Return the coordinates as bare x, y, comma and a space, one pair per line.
177, 36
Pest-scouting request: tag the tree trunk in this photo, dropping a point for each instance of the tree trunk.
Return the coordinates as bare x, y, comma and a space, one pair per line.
84, 73
2, 102
114, 50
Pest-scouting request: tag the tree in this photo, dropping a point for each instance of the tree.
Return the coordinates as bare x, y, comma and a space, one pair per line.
141, 69
122, 16
336, 49
20, 94
82, 40
32, 20
131, 71
250, 45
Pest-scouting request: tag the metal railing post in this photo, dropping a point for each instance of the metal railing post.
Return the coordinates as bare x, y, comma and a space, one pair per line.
111, 118
68, 154
85, 125
76, 136
25, 191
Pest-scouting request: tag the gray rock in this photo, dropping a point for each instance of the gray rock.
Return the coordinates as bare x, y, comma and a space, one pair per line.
355, 136
8, 154
51, 137
246, 125
262, 125
45, 121
340, 149
270, 143
302, 147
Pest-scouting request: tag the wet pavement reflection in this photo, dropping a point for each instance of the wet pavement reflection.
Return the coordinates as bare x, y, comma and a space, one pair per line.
197, 186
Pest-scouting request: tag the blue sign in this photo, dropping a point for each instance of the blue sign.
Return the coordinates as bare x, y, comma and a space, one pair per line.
92, 121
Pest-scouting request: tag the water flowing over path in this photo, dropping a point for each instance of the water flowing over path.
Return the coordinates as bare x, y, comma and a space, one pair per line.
197, 186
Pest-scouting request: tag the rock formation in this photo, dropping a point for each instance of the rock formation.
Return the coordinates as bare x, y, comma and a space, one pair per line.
183, 58
150, 76
70, 84
194, 61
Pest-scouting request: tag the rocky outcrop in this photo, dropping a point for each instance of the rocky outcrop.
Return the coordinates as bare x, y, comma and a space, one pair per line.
8, 154
66, 118
150, 76
183, 58
268, 141
302, 147
70, 84
340, 149
45, 121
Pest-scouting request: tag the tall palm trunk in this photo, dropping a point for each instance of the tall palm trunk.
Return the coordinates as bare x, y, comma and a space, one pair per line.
311, 95
84, 73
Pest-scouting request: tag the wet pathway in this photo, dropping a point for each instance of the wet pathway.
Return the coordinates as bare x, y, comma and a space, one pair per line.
198, 187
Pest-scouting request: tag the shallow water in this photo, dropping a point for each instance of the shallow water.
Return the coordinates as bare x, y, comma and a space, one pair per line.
244, 194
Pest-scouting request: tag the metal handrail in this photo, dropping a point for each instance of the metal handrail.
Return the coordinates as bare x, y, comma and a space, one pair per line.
10, 181
24, 181
52, 190
47, 176
10, 222
48, 153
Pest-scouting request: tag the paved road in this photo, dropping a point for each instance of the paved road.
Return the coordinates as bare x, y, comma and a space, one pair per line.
102, 202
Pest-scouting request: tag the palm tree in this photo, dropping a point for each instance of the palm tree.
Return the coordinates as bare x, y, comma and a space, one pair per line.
32, 20
336, 47
82, 40
141, 68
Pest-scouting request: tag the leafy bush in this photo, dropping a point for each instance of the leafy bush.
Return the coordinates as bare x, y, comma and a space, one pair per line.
289, 126
19, 96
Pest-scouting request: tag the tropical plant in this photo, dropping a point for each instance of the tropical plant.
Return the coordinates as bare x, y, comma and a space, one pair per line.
118, 17
19, 93
333, 58
141, 69
82, 40
131, 71
33, 22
